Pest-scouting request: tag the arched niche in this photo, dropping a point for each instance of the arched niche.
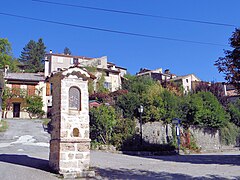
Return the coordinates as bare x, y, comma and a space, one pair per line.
74, 98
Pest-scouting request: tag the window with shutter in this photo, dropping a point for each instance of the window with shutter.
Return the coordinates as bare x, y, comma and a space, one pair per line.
16, 89
31, 90
48, 89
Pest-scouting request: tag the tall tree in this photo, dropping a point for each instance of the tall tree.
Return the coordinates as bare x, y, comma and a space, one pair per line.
32, 56
6, 55
67, 51
230, 64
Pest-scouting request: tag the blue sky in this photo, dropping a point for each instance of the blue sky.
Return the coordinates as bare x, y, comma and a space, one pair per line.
128, 51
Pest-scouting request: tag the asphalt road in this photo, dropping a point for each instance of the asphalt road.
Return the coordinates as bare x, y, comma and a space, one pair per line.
24, 153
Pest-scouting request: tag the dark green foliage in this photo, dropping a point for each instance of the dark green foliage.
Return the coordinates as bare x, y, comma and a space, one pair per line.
153, 103
138, 89
229, 134
123, 131
32, 56
234, 111
128, 104
67, 51
102, 121
34, 106
170, 106
203, 109
107, 127
138, 85
230, 64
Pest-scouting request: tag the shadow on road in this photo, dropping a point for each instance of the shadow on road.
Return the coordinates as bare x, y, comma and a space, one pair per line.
137, 174
143, 174
25, 160
201, 159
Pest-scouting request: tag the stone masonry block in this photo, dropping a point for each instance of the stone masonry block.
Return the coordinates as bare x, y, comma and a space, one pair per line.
63, 156
65, 147
81, 147
79, 156
70, 165
70, 156
86, 134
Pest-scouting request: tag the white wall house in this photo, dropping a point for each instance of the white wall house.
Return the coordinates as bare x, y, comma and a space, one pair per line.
27, 83
157, 74
111, 72
186, 82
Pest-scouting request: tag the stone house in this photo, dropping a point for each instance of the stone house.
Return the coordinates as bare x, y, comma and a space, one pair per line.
230, 92
112, 73
99, 67
157, 74
187, 82
34, 83
19, 84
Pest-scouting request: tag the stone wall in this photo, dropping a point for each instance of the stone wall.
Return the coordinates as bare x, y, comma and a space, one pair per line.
206, 138
155, 132
158, 133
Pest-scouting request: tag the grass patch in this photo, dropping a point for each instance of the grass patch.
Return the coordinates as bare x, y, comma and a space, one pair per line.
3, 126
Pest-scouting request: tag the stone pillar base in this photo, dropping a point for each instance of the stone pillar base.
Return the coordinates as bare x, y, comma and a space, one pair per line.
83, 174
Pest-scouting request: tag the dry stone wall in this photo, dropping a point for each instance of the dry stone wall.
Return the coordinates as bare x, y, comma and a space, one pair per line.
158, 133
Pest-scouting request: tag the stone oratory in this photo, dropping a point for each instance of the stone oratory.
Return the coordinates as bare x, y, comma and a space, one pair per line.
69, 126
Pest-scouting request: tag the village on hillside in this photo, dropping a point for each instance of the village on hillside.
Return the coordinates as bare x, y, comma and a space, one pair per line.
119, 90
163, 96
110, 75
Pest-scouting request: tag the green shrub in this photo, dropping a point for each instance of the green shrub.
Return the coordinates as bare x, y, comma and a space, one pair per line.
34, 106
229, 134
203, 109
122, 132
234, 110
102, 121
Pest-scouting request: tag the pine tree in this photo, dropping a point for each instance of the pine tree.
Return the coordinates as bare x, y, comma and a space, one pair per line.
32, 56
67, 51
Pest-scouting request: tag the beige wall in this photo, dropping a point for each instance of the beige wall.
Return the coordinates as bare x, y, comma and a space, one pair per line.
23, 114
58, 61
96, 62
62, 62
187, 82
113, 79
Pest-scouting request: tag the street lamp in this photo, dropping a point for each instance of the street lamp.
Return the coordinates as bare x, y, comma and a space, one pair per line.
140, 110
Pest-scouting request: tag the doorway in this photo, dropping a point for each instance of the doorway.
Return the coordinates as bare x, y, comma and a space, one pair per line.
16, 110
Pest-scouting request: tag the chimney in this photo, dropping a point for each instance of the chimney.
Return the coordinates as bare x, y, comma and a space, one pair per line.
6, 70
46, 66
50, 51
224, 89
167, 71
